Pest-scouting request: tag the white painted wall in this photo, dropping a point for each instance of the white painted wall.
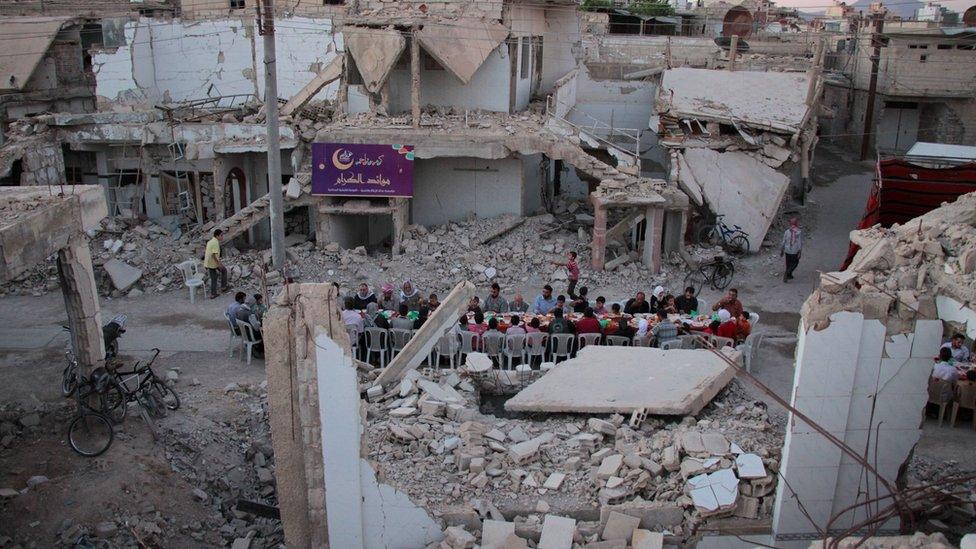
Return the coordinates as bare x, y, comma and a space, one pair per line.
841, 371
532, 183
562, 37
182, 60
523, 79
447, 189
487, 90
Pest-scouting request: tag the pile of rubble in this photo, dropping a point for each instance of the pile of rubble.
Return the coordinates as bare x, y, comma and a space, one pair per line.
614, 475
906, 267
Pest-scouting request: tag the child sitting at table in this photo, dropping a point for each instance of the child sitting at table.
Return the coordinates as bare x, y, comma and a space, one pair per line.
944, 369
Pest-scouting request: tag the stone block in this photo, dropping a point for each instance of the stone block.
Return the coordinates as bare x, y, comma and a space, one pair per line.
645, 539
458, 538
619, 526
557, 533
602, 426
122, 274
554, 481
609, 466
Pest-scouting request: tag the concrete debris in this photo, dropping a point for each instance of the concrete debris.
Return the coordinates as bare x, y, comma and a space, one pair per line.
122, 274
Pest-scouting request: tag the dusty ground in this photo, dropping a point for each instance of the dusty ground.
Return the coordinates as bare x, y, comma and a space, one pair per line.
212, 441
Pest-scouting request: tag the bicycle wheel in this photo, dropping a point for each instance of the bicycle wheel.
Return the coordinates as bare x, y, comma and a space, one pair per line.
90, 434
708, 236
115, 403
147, 409
739, 245
722, 275
69, 380
695, 279
165, 395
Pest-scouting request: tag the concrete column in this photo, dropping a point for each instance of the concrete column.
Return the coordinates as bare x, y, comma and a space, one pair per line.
101, 170
400, 214
415, 77
653, 228
77, 279
220, 169
598, 247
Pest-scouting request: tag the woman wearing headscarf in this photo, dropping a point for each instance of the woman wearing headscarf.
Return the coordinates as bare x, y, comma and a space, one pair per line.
641, 328
792, 244
657, 298
727, 324
410, 296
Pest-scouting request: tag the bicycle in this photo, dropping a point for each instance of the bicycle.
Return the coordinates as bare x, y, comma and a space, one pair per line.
90, 433
151, 394
717, 273
733, 239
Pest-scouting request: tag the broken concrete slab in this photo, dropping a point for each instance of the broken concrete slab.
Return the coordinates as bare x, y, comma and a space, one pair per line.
462, 46
375, 51
604, 380
714, 492
741, 187
653, 515
750, 466
122, 274
619, 526
329, 74
645, 539
557, 532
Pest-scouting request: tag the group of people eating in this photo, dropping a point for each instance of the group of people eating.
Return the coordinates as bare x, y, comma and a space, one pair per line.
660, 319
954, 361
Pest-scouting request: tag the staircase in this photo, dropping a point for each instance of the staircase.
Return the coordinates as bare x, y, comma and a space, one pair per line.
259, 209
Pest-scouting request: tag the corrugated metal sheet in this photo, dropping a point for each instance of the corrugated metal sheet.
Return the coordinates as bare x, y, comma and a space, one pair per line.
943, 151
24, 41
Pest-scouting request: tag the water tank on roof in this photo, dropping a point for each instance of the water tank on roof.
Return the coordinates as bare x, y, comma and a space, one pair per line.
737, 21
969, 17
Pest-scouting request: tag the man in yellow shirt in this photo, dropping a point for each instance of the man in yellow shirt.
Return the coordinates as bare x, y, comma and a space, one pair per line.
211, 261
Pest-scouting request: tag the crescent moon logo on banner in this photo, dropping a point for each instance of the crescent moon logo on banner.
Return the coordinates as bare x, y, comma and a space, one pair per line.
338, 163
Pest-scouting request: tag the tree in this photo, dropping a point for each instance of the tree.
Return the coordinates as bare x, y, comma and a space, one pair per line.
596, 5
650, 8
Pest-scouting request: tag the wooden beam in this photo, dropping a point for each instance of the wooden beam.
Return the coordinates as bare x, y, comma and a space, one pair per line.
627, 223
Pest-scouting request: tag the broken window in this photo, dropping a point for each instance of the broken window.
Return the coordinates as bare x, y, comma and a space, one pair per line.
526, 50
236, 4
945, 46
333, 2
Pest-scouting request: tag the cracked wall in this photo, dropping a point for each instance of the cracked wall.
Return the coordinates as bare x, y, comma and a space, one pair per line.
180, 61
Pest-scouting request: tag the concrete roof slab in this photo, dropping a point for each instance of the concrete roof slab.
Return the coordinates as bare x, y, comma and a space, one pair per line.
603, 380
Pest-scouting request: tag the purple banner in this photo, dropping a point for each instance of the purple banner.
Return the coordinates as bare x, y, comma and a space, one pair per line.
340, 169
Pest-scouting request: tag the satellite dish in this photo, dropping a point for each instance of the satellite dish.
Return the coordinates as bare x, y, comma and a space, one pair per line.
725, 43
969, 17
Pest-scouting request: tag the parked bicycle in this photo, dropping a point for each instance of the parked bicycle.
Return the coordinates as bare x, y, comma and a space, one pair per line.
141, 386
733, 239
90, 433
111, 332
717, 273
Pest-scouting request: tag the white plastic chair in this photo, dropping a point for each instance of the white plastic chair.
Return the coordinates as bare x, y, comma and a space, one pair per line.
235, 333
514, 348
753, 320
468, 343
719, 342
619, 341
400, 337
447, 346
671, 344
693, 341
248, 339
377, 341
582, 340
492, 344
535, 346
353, 340
750, 349
192, 277
561, 345
643, 341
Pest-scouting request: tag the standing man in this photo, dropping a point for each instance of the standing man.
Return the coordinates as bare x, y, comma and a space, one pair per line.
211, 261
792, 244
572, 267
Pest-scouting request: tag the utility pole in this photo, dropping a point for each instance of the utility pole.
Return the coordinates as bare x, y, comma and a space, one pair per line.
872, 86
733, 51
266, 29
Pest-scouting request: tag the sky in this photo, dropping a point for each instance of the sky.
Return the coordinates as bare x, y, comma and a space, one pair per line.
820, 5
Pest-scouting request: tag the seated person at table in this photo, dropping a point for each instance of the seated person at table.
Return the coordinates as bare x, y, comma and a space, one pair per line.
461, 326
351, 317
657, 298
944, 369
589, 323
374, 319
410, 296
730, 303
581, 302
544, 302
600, 308
246, 315
401, 321
637, 304
518, 304
727, 324
534, 326
231, 310
259, 307
560, 325
712, 328
492, 328
478, 327
388, 300
687, 302
743, 327
433, 302
474, 305
664, 330
668, 305
615, 309
561, 304
363, 297
516, 328
957, 346
423, 313
642, 326
620, 327
495, 302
